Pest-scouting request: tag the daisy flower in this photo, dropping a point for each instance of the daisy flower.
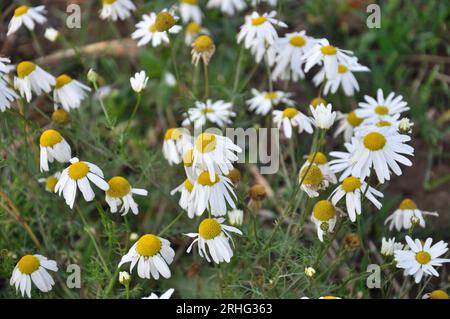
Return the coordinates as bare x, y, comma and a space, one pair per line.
258, 32
262, 101
347, 124
229, 7
406, 215
33, 269
147, 31
185, 189
323, 116
152, 254
53, 146
28, 16
421, 258
218, 112
314, 180
116, 9
192, 31
78, 175
289, 59
353, 188
69, 93
165, 295
214, 235
321, 160
381, 106
328, 55
60, 117
291, 118
388, 246
212, 195
324, 217
190, 11
436, 294
121, 192
174, 141
139, 81
381, 149
31, 78
202, 48
50, 182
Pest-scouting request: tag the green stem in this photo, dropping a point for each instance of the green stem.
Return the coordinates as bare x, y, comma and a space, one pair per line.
108, 120
173, 222
133, 113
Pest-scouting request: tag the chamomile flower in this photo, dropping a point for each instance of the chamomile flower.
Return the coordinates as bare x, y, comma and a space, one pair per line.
406, 215
174, 141
381, 106
213, 240
259, 32
323, 116
51, 34
229, 7
212, 194
165, 295
7, 95
215, 153
147, 31
347, 124
263, 101
190, 11
29, 16
436, 294
324, 217
321, 160
152, 254
185, 189
381, 149
202, 48
236, 217
33, 269
192, 31
421, 258
120, 192
31, 78
78, 175
50, 182
117, 9
289, 59
291, 118
53, 146
69, 93
313, 179
388, 246
327, 55
353, 188
139, 81
218, 112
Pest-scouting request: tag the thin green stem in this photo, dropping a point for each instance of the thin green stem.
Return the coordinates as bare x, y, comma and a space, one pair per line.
133, 113
173, 222
108, 119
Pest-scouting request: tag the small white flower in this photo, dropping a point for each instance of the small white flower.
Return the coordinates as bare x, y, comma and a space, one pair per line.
51, 34
124, 278
324, 217
421, 259
321, 160
69, 93
218, 112
53, 146
310, 272
175, 140
262, 101
190, 11
407, 215
139, 81
120, 192
192, 31
165, 295
381, 106
169, 79
405, 126
116, 9
214, 235
185, 189
389, 246
323, 116
33, 269
229, 7
147, 31
134, 237
50, 182
291, 118
28, 16
31, 78
236, 217
314, 180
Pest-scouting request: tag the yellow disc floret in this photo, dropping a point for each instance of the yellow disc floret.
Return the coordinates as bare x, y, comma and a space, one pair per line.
206, 142
203, 179
20, 11
328, 50
25, 68
342, 69
193, 27
423, 257
193, 2
353, 119
118, 187
290, 112
62, 80
297, 41
319, 159
49, 138
203, 43
381, 110
28, 264
188, 185
50, 183
172, 134
209, 228
317, 101
324, 210
313, 177
61, 117
374, 141
350, 184
164, 21
148, 245
407, 204
271, 96
438, 294
78, 170
259, 20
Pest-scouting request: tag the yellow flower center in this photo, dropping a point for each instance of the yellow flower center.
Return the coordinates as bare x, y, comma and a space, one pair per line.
374, 141
62, 80
290, 112
259, 20
78, 170
109, 1
193, 2
209, 228
206, 143
350, 184
203, 179
152, 28
188, 157
271, 96
329, 297
25, 68
297, 41
28, 264
20, 11
60, 116
353, 119
328, 50
118, 187
423, 257
324, 211
50, 183
193, 27
383, 123
320, 158
342, 69
172, 134
407, 203
188, 185
438, 294
381, 110
314, 176
49, 138
203, 43
148, 245
164, 21
318, 100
